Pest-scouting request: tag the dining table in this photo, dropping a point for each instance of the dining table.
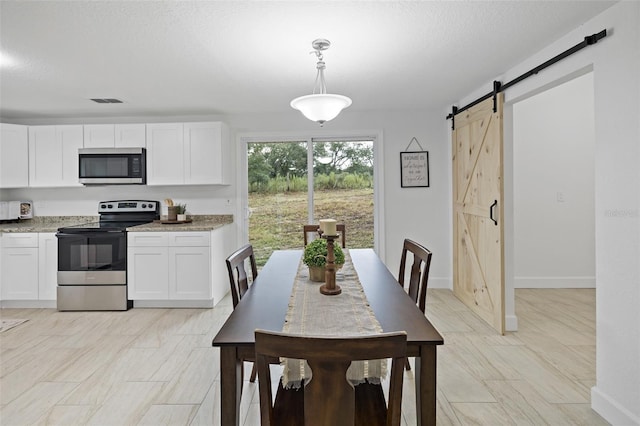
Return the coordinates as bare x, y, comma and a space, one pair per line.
265, 306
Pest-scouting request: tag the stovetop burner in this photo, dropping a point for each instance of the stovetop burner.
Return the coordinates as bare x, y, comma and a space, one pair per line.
119, 215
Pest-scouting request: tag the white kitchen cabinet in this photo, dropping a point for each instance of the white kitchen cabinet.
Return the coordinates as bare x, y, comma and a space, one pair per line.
47, 266
172, 266
205, 153
29, 268
115, 135
148, 273
165, 154
189, 273
53, 155
99, 136
14, 156
19, 266
187, 153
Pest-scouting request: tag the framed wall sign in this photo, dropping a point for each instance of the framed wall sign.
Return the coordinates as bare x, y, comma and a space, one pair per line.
414, 169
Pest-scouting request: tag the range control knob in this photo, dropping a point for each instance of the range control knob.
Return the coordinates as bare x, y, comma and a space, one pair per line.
144, 205
103, 206
110, 206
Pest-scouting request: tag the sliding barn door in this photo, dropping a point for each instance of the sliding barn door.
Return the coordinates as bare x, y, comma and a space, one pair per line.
478, 257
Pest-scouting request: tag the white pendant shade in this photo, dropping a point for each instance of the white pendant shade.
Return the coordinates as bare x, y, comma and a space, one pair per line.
321, 107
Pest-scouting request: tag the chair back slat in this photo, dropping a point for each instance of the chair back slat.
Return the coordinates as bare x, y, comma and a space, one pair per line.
419, 273
238, 278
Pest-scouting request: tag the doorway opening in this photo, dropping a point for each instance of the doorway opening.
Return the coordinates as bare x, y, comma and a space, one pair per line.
554, 187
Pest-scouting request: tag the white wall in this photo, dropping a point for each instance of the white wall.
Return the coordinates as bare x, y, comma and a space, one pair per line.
615, 61
554, 192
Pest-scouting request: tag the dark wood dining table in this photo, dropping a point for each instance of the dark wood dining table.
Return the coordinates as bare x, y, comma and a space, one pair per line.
265, 306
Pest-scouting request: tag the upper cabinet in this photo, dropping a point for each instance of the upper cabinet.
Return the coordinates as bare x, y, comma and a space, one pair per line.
53, 155
177, 153
14, 156
114, 135
165, 154
187, 154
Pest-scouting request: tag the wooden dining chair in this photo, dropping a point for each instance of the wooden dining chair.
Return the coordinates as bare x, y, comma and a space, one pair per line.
328, 398
239, 280
313, 229
419, 275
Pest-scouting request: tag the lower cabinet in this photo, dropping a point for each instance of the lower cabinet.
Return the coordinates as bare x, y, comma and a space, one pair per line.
170, 266
29, 269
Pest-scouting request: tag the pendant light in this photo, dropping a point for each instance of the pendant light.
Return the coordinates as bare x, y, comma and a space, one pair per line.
320, 106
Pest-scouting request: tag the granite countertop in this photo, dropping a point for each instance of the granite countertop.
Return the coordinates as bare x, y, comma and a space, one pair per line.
52, 223
199, 223
46, 223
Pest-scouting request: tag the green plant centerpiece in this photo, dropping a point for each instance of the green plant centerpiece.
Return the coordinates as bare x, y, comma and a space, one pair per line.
315, 257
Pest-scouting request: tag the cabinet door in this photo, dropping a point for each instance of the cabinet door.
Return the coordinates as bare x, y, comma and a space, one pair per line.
148, 273
130, 135
45, 157
165, 154
48, 266
14, 156
71, 140
53, 155
189, 273
99, 136
203, 153
19, 273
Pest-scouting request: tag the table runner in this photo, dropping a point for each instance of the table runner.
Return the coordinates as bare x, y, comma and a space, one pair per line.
347, 314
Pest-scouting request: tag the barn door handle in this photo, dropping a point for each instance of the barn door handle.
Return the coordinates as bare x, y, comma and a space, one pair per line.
495, 203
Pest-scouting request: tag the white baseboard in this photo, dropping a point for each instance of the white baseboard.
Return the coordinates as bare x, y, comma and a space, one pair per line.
173, 303
511, 323
440, 282
554, 282
610, 410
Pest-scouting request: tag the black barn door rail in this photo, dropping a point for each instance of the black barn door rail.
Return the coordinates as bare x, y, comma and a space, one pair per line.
499, 87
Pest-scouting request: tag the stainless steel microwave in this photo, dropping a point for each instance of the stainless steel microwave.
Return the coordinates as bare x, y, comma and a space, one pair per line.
112, 166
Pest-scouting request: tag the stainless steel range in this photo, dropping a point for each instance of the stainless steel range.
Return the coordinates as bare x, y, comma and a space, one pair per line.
92, 257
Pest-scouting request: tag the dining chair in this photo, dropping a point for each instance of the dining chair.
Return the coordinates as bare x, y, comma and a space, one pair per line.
313, 229
419, 275
239, 281
328, 398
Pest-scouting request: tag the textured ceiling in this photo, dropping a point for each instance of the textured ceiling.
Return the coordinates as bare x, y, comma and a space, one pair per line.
225, 57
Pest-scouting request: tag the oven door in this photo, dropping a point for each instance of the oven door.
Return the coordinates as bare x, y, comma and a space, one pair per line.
92, 258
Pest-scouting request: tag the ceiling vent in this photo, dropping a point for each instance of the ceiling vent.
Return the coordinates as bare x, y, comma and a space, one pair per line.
107, 101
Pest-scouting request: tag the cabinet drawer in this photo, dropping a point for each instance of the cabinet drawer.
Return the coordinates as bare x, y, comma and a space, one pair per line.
147, 239
189, 239
20, 239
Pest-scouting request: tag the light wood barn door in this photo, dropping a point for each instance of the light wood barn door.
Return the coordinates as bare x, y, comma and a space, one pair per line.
478, 257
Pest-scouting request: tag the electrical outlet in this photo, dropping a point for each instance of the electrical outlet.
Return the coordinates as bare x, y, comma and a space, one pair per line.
560, 197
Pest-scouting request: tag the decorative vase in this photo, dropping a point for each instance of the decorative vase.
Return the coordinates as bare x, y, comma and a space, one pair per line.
316, 273
182, 217
172, 213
